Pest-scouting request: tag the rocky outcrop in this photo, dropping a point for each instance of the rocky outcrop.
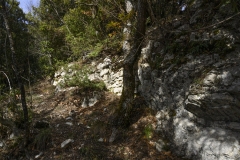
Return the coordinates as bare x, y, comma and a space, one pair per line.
193, 83
102, 71
198, 105
196, 90
112, 79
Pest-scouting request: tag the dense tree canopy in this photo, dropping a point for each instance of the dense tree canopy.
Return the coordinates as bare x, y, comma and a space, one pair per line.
21, 37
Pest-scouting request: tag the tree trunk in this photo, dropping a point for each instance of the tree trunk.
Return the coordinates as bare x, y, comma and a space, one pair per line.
127, 28
16, 72
127, 97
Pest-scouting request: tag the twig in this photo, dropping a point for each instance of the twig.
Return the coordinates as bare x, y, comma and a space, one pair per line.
10, 88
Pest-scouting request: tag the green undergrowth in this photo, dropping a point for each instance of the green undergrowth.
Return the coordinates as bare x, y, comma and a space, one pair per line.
148, 131
80, 79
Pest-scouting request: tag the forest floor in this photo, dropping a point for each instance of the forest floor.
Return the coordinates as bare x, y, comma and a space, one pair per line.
88, 129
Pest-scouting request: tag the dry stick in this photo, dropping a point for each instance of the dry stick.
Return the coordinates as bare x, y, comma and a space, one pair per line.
29, 83
151, 11
10, 88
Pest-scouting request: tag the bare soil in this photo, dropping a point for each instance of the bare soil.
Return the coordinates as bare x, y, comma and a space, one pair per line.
90, 129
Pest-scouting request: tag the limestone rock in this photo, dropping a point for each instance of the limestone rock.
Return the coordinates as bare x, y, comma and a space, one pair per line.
197, 102
160, 145
66, 142
2, 144
39, 155
69, 123
100, 140
113, 135
103, 72
85, 103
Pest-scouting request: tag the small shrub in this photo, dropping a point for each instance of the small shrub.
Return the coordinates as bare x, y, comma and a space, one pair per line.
148, 131
98, 48
81, 80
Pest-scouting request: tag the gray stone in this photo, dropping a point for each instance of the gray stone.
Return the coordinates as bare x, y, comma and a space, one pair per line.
210, 79
99, 66
63, 73
200, 97
2, 144
113, 135
69, 123
103, 72
92, 77
100, 140
117, 90
106, 63
92, 101
129, 6
39, 155
126, 46
69, 118
234, 125
66, 142
116, 85
160, 144
85, 102
146, 52
106, 77
107, 60
226, 78
70, 70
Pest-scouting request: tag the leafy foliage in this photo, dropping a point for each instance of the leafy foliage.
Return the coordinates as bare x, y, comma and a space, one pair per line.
67, 30
148, 131
81, 80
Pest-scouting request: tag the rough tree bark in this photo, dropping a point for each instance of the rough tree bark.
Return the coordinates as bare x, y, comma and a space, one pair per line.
127, 28
4, 12
127, 97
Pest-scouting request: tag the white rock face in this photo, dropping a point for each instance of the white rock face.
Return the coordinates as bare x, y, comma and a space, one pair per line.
197, 101
210, 79
129, 6
200, 117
